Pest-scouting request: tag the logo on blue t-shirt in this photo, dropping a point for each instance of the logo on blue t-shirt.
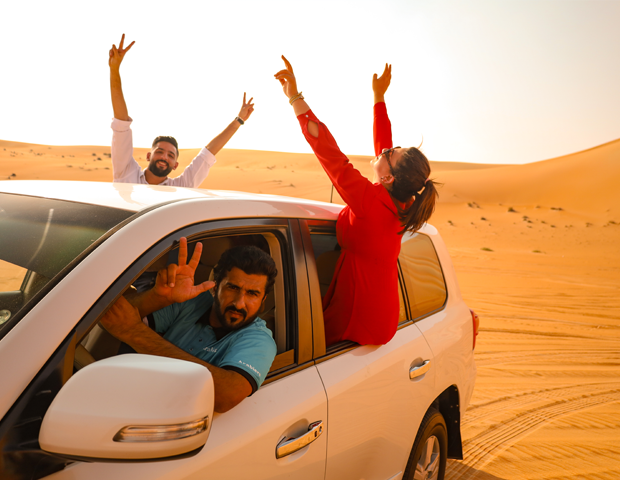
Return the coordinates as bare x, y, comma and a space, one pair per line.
251, 368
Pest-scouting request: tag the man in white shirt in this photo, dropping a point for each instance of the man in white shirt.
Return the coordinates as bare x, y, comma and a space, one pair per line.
163, 157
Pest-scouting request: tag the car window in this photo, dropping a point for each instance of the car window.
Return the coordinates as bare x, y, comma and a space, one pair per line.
11, 276
424, 282
41, 237
420, 273
275, 302
278, 309
326, 254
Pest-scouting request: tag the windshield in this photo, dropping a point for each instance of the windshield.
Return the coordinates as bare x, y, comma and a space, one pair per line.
39, 237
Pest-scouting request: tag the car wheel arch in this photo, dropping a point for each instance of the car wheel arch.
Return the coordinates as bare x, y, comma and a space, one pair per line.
448, 404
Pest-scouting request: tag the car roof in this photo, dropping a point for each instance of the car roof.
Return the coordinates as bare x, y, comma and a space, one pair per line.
133, 197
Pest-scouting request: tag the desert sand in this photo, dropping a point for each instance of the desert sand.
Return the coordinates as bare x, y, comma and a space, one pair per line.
536, 248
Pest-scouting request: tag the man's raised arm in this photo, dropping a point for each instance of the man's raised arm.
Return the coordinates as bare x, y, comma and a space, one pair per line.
116, 88
222, 139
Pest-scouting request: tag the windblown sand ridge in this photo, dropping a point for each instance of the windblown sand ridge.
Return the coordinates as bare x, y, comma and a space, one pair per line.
536, 250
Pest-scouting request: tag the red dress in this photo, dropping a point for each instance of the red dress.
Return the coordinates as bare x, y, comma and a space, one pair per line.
362, 302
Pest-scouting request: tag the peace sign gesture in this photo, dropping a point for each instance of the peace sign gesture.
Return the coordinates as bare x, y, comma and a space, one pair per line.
117, 54
176, 282
246, 109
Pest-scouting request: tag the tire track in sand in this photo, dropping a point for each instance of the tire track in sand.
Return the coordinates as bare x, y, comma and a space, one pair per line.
487, 445
514, 402
503, 358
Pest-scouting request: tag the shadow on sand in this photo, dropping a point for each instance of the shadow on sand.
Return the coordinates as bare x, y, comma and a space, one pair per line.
455, 470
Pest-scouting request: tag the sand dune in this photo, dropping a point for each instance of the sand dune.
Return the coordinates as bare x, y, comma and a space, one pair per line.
536, 250
583, 182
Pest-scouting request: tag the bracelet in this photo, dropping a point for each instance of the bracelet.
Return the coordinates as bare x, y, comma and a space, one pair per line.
299, 96
239, 120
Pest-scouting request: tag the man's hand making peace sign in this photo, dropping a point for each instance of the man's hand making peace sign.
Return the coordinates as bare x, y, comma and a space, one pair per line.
176, 282
117, 54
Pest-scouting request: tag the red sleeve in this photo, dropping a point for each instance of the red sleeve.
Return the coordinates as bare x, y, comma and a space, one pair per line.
382, 128
353, 187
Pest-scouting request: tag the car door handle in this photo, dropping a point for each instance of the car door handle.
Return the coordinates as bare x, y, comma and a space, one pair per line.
420, 369
291, 445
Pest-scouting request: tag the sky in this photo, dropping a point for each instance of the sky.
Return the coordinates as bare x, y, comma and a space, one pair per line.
481, 81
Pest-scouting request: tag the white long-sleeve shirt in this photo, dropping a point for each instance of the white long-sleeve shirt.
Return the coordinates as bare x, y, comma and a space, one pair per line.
126, 170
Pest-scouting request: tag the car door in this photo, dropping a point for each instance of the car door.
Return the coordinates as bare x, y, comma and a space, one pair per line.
243, 442
377, 395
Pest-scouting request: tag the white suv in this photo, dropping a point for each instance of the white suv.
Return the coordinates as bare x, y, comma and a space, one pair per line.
72, 408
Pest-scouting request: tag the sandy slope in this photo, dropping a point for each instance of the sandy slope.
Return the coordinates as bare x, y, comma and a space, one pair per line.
582, 182
536, 248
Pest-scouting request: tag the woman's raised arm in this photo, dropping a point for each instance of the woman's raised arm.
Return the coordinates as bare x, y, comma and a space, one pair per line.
381, 128
352, 186
289, 86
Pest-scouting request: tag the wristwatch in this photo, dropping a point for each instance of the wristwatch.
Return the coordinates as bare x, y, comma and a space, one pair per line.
239, 120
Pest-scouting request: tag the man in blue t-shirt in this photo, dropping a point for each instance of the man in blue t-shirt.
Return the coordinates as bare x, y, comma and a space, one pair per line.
221, 331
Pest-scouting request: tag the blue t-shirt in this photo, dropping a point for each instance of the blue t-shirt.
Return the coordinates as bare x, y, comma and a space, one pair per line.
249, 351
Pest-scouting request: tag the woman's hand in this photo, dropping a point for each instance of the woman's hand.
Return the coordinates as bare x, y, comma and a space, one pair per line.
287, 79
381, 84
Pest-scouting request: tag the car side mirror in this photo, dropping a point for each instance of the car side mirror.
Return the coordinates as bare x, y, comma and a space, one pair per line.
131, 407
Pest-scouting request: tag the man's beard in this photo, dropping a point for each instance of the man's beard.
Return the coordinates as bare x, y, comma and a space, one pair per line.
225, 324
155, 170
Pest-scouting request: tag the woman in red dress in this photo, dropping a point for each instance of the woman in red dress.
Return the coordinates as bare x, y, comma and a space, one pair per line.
362, 302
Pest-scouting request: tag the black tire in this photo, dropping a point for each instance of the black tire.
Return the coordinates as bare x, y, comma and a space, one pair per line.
430, 449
